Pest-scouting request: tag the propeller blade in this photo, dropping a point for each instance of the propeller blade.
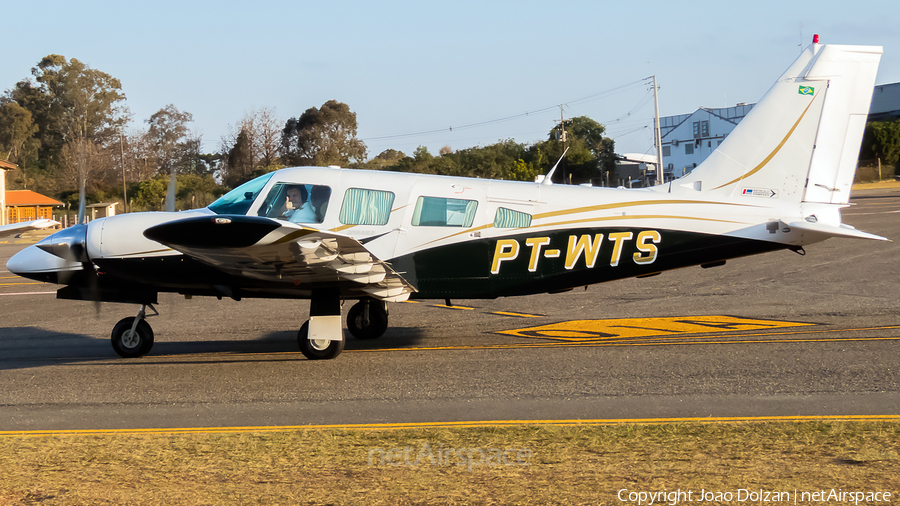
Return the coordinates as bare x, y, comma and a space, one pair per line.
81, 203
170, 195
70, 246
93, 284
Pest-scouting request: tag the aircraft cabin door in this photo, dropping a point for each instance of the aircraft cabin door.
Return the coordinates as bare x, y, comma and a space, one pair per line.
440, 246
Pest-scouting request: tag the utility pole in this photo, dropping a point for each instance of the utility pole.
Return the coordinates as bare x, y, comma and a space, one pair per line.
660, 178
562, 124
563, 138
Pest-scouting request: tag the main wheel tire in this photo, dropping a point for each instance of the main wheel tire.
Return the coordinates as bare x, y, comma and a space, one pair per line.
132, 345
319, 349
378, 320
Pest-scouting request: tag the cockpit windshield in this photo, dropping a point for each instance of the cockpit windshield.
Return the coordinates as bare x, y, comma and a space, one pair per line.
239, 200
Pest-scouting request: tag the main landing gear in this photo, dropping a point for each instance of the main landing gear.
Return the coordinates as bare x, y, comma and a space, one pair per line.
368, 319
132, 337
321, 336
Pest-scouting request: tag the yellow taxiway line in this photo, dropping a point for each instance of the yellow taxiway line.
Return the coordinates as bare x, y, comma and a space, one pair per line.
680, 340
520, 315
450, 425
671, 340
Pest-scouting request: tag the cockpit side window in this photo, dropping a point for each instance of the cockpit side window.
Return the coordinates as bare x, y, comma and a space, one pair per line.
297, 203
239, 200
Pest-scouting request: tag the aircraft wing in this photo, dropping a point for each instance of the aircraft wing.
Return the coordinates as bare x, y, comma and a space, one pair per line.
282, 252
18, 228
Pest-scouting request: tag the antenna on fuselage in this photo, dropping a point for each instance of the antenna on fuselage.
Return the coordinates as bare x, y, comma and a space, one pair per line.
549, 175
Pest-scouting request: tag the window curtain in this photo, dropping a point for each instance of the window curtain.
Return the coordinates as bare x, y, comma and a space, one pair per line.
507, 218
470, 213
366, 207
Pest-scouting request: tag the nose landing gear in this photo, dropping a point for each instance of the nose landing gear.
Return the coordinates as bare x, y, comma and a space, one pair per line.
132, 337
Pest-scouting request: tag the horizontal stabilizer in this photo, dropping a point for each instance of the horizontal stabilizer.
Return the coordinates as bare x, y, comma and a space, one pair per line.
835, 231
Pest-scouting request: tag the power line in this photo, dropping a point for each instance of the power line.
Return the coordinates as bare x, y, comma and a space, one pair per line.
594, 96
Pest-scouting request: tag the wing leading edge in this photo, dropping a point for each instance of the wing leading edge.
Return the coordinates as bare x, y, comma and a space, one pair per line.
262, 249
17, 228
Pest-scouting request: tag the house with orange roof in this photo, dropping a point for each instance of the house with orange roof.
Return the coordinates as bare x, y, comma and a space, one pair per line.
4, 166
26, 205
17, 206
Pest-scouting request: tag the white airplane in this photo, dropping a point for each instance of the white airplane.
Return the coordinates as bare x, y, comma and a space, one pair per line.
25, 226
777, 182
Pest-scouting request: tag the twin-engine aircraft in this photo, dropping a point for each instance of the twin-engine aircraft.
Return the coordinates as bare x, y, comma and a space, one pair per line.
778, 181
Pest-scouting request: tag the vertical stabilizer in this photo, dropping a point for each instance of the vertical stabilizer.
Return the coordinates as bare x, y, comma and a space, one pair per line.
801, 141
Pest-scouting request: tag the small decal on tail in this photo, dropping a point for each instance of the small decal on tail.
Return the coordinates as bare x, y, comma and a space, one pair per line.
759, 192
807, 90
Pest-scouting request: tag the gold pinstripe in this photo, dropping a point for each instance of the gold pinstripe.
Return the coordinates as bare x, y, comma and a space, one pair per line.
601, 207
295, 235
634, 217
774, 152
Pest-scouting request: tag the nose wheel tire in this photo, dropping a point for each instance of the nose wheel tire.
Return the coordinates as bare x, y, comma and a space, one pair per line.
317, 349
374, 327
132, 344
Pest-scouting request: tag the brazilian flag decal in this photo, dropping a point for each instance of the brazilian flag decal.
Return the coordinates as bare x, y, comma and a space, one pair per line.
807, 90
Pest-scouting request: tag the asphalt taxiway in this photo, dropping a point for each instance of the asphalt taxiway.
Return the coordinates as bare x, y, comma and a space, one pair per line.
772, 335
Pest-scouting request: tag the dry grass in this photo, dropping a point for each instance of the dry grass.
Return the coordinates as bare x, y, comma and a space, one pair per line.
568, 465
879, 185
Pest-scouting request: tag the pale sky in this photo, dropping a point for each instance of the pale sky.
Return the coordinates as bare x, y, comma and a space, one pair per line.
407, 67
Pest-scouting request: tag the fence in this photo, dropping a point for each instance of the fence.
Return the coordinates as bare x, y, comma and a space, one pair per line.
870, 171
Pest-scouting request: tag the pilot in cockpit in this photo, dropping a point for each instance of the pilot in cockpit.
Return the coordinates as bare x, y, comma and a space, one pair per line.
301, 208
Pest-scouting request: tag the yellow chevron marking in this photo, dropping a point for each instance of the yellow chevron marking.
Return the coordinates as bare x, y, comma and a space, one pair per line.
618, 329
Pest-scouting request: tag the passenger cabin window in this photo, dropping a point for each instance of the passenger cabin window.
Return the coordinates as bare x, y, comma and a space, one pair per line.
366, 207
443, 212
297, 203
507, 218
239, 200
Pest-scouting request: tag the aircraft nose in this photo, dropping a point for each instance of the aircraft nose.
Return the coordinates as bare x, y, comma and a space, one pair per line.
36, 263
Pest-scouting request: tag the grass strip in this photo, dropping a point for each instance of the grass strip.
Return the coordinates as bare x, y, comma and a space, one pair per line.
526, 464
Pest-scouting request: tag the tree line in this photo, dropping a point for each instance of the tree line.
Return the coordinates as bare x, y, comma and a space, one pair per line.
881, 141
66, 125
